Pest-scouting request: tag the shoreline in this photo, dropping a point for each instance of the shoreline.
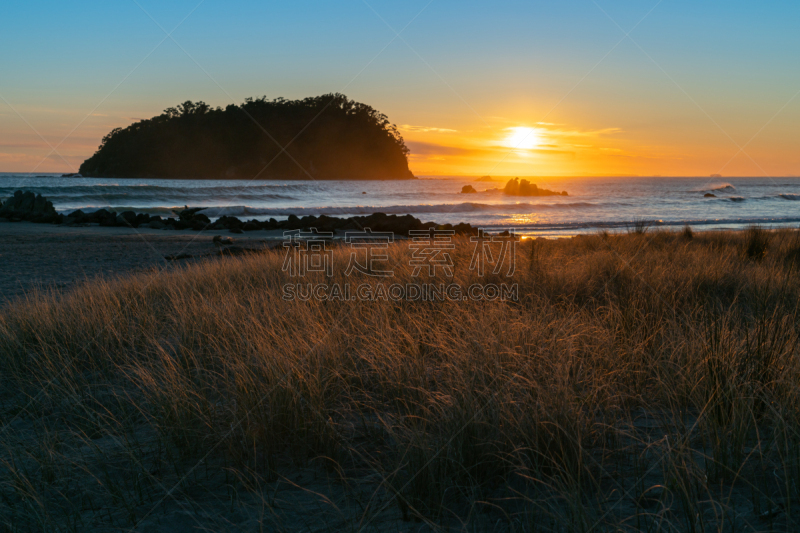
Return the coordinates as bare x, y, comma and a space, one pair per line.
45, 256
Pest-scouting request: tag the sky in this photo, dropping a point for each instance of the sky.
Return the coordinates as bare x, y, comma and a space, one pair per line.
502, 88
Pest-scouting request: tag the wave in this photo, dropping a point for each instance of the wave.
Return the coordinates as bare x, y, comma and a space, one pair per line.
787, 196
159, 191
467, 207
716, 187
124, 199
252, 211
735, 199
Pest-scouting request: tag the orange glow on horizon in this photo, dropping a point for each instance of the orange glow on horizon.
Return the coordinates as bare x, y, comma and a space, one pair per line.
507, 148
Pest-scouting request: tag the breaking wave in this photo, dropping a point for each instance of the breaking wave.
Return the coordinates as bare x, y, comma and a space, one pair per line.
716, 187
467, 207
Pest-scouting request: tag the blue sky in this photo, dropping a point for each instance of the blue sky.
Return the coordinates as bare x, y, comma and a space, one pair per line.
694, 80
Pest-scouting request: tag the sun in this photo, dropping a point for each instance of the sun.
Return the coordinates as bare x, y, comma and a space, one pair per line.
523, 138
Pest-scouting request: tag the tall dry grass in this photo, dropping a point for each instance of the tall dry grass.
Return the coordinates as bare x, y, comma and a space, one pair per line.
646, 381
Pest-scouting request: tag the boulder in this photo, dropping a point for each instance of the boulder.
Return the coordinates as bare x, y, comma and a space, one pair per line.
326, 223
126, 218
99, 215
187, 214
292, 223
219, 240
468, 189
78, 215
200, 217
25, 205
195, 219
465, 229
229, 222
141, 219
709, 195
110, 219
350, 225
156, 224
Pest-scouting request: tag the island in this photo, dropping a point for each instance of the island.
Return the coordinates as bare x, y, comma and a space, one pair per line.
328, 137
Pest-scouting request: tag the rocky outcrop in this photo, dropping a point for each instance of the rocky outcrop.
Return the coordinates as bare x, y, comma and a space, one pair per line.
28, 206
400, 225
468, 189
524, 187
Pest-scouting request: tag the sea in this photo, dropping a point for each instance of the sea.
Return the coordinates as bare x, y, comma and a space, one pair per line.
592, 204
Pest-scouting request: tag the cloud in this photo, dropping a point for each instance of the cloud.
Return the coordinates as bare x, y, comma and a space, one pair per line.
40, 144
429, 150
423, 148
425, 129
72, 158
12, 158
579, 133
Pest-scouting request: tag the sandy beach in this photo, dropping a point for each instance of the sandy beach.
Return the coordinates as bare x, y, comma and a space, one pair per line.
44, 256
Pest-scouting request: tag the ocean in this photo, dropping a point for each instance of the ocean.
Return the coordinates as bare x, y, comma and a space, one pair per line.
593, 203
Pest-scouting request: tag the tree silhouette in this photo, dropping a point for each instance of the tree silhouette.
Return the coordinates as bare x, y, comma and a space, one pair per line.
323, 137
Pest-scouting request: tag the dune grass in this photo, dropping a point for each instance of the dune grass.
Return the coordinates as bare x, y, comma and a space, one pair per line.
647, 381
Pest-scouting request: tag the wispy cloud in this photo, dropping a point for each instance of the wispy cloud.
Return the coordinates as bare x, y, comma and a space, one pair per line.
429, 149
439, 151
425, 129
12, 158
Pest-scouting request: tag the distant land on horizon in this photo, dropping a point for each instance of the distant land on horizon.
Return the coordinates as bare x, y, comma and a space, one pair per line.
327, 137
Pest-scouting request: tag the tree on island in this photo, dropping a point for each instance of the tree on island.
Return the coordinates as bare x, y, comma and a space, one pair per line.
323, 137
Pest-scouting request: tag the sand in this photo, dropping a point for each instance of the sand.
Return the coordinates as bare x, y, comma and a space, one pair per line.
44, 256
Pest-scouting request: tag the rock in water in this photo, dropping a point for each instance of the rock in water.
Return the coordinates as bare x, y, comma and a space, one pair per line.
25, 205
524, 187
468, 189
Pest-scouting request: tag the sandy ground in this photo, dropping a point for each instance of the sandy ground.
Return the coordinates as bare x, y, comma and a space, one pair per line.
47, 256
